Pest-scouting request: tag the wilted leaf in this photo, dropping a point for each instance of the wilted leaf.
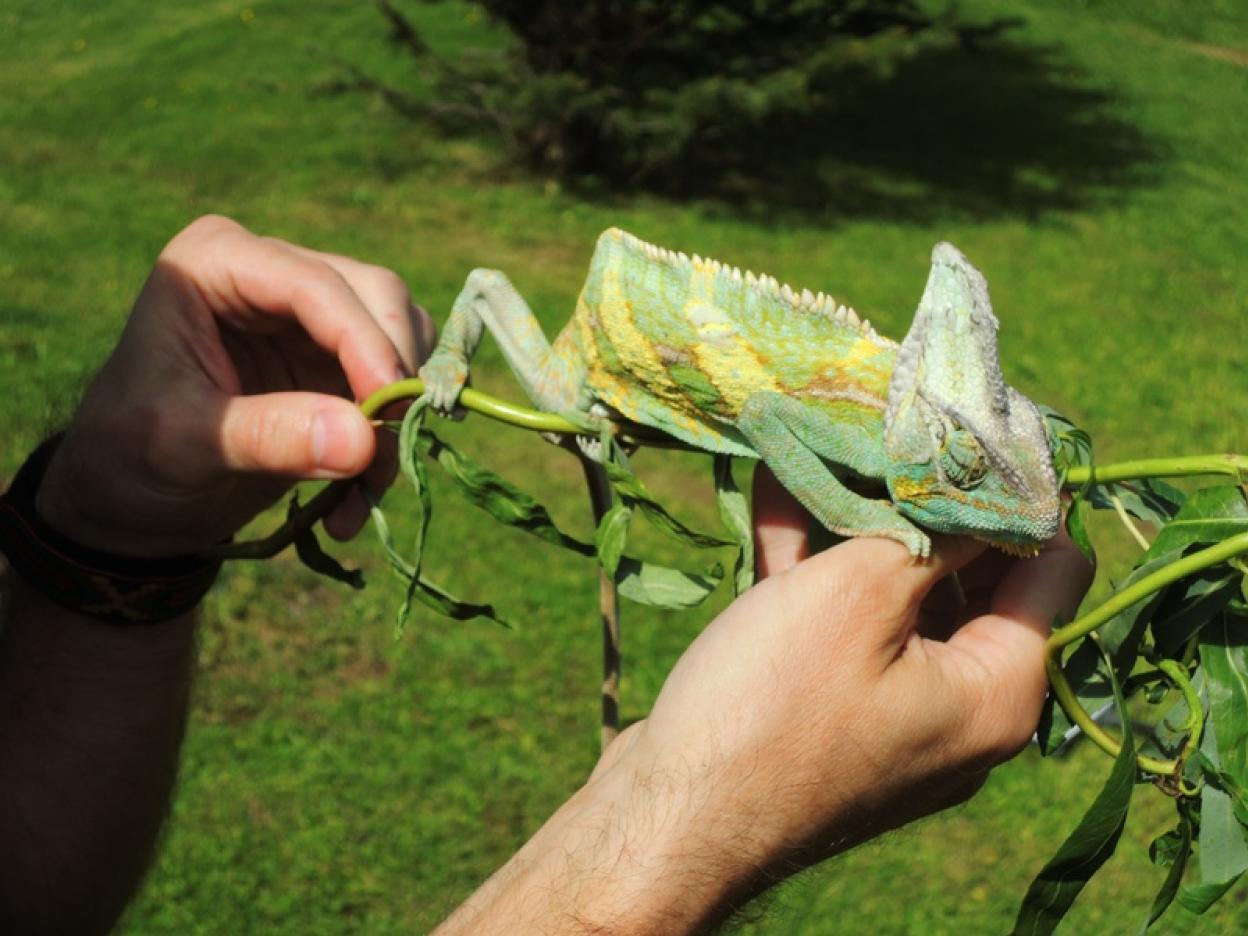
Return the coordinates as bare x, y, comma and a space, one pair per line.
414, 470
628, 488
663, 587
735, 514
498, 497
308, 549
424, 591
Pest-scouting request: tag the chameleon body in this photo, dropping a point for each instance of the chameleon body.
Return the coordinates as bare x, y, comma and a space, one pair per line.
736, 363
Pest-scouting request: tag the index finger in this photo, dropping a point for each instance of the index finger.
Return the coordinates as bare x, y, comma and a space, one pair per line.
238, 273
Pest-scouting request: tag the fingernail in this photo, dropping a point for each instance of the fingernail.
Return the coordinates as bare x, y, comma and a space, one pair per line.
336, 440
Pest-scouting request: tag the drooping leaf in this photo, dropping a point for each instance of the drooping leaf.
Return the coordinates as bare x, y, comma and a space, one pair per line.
420, 589
1088, 847
735, 514
414, 470
628, 488
663, 587
311, 554
498, 497
1170, 850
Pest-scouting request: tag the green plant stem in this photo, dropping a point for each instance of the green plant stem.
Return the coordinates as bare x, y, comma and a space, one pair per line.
476, 401
1082, 627
1183, 467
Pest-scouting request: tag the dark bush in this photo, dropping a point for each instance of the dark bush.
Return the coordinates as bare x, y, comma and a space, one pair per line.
676, 96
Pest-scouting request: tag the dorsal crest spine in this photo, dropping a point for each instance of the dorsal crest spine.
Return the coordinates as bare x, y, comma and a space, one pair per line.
762, 284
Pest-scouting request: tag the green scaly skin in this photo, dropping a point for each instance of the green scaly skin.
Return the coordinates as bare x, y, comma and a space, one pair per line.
736, 363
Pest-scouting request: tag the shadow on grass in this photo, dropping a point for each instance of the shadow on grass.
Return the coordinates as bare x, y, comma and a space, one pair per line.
1009, 130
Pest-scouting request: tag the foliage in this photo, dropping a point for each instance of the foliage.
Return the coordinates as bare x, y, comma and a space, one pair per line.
662, 95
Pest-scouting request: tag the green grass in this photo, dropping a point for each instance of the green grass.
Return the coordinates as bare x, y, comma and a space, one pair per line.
336, 781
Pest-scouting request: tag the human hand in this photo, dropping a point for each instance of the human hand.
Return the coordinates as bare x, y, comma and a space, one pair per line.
843, 696
233, 378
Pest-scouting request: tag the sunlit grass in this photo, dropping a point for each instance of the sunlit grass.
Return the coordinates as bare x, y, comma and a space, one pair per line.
336, 781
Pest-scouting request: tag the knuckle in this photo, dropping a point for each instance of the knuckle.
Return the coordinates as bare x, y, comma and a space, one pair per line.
211, 225
201, 236
389, 286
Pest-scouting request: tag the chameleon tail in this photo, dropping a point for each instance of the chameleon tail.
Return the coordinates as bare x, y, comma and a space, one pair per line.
609, 606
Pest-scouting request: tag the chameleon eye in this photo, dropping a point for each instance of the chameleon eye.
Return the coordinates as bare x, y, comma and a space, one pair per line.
962, 460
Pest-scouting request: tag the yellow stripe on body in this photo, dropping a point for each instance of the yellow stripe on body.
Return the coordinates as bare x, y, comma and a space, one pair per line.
728, 362
639, 384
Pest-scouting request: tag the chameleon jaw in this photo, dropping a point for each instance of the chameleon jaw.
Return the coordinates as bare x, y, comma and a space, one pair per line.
1017, 550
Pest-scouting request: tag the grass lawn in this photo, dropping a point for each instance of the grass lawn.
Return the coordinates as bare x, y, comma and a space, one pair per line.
335, 780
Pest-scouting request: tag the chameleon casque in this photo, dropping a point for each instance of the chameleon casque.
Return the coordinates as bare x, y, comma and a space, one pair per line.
736, 363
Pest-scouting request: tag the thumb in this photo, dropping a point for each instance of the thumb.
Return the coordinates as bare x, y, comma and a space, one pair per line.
297, 435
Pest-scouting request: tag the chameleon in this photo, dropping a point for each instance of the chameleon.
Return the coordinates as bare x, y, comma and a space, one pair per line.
736, 363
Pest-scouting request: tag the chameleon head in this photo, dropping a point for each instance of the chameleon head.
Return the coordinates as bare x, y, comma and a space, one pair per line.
967, 454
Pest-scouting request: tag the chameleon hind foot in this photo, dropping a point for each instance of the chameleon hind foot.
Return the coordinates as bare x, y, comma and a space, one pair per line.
444, 377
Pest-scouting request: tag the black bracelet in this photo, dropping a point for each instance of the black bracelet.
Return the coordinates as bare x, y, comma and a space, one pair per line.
121, 590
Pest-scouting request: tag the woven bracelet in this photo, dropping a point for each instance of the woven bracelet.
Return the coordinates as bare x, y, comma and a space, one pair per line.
122, 590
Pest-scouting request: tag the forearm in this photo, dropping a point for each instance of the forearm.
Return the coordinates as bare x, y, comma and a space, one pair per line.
91, 720
631, 852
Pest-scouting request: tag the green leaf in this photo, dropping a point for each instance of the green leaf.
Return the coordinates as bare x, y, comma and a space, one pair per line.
414, 470
735, 514
310, 553
662, 587
1224, 658
1088, 847
420, 589
1223, 851
1076, 526
1071, 445
1188, 606
1086, 668
1210, 515
498, 497
612, 535
1150, 499
628, 488
1171, 849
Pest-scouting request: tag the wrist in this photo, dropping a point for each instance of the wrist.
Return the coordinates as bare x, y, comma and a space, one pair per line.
84, 497
97, 583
